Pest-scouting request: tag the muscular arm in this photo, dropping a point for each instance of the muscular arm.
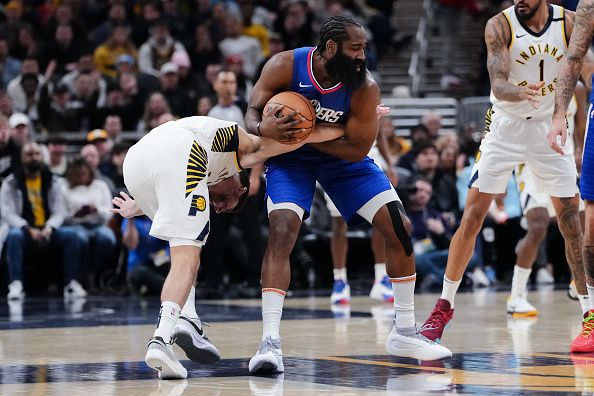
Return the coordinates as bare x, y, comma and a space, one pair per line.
571, 64
361, 128
497, 36
276, 77
254, 150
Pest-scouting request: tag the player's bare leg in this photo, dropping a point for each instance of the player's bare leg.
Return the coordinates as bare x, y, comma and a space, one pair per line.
276, 275
567, 210
404, 339
382, 288
460, 252
184, 266
526, 251
339, 245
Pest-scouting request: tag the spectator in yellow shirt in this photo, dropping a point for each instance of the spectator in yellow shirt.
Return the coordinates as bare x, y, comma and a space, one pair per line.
118, 43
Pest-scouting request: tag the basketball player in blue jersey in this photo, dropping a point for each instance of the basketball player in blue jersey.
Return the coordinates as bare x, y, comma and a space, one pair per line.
570, 69
334, 77
525, 44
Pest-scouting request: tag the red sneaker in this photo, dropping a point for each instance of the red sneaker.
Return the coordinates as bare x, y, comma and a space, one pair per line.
584, 342
438, 320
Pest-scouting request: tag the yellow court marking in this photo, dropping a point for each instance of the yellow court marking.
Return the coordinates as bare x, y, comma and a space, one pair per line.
503, 381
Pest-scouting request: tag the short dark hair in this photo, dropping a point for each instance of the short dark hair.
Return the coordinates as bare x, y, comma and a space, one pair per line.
78, 163
422, 145
244, 179
335, 29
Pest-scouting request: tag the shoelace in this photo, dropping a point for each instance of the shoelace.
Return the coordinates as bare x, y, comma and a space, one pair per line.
436, 320
268, 346
588, 326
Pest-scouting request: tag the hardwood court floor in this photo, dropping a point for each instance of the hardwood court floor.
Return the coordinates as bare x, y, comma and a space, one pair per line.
97, 347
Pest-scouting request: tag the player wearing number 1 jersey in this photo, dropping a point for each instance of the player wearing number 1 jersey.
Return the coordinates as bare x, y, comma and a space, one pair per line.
525, 44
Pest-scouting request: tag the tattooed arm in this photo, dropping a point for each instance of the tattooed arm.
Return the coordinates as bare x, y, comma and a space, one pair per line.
571, 66
497, 37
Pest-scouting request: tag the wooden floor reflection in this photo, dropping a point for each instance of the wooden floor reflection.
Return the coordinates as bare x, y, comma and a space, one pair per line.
97, 347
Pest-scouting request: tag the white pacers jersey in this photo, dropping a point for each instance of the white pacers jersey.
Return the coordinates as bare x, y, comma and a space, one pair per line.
216, 139
534, 57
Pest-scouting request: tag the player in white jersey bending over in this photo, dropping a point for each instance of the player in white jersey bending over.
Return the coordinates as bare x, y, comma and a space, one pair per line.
173, 173
537, 210
525, 43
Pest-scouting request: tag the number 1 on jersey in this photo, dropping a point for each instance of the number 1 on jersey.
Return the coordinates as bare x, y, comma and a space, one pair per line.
541, 67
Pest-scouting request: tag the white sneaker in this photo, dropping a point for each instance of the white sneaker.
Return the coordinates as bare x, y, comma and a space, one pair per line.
15, 290
341, 292
382, 290
408, 342
544, 277
74, 290
479, 278
572, 291
160, 357
189, 335
268, 359
520, 308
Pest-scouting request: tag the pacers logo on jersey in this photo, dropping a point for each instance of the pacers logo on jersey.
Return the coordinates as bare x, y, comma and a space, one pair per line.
198, 205
226, 140
488, 119
196, 169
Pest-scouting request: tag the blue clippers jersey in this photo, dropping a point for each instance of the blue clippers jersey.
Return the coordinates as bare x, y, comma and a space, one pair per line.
331, 104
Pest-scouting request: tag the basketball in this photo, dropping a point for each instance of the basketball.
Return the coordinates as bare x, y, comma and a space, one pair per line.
293, 102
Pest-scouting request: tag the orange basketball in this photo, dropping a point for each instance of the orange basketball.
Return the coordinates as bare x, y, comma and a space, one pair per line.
293, 102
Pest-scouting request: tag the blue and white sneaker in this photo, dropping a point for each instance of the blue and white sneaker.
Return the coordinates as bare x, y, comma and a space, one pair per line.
382, 290
341, 293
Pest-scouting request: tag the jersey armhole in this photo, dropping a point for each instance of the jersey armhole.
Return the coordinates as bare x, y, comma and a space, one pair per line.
565, 38
511, 31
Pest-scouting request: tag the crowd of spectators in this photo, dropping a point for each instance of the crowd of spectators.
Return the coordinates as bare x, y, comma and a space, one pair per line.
98, 69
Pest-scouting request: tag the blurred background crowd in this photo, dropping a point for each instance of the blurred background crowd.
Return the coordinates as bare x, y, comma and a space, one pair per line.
81, 81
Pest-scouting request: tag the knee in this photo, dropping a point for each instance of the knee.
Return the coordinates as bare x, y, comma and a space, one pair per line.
538, 229
283, 229
15, 235
471, 222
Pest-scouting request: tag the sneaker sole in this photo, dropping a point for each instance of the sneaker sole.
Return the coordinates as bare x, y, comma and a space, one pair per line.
266, 367
194, 353
167, 368
529, 314
418, 353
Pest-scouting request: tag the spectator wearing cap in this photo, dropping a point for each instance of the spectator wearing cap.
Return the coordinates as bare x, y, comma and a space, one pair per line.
158, 49
88, 203
25, 89
9, 67
10, 152
237, 44
179, 101
57, 113
148, 83
118, 43
20, 128
99, 138
57, 161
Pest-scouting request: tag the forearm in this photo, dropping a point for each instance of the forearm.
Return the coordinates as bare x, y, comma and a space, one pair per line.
251, 119
566, 82
504, 90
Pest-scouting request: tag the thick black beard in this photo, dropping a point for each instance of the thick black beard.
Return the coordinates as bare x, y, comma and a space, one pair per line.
33, 167
344, 70
530, 14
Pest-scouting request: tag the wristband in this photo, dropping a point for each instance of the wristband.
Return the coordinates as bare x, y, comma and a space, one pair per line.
258, 128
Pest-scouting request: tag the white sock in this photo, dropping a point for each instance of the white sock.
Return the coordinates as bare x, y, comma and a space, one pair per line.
380, 271
519, 282
449, 290
189, 308
272, 311
404, 300
591, 296
167, 317
584, 302
340, 274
